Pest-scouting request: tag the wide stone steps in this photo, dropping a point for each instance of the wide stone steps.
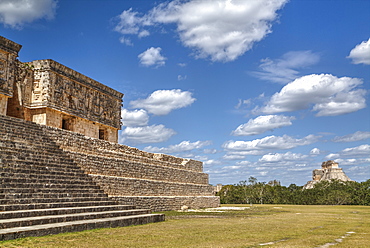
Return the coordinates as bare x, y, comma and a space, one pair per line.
49, 219
39, 171
62, 211
14, 207
33, 175
50, 200
51, 166
43, 190
75, 226
49, 190
45, 182
5, 196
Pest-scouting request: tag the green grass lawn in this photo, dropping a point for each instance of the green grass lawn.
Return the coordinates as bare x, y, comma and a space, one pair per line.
258, 226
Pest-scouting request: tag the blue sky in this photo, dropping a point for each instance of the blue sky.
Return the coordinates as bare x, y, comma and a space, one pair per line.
268, 88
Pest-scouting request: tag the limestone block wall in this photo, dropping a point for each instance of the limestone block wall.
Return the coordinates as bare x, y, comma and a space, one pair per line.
8, 57
131, 176
3, 104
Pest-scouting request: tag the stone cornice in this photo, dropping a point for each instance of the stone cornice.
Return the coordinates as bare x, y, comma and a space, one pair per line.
9, 46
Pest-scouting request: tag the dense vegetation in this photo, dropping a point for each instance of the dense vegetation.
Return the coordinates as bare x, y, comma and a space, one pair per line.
324, 193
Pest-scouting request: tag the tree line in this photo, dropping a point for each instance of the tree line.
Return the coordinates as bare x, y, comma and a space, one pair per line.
332, 192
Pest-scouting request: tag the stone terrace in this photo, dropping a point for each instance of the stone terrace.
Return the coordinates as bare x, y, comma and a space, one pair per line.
131, 176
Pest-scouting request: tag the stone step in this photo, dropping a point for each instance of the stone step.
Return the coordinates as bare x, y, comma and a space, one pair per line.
36, 157
81, 225
15, 207
13, 185
50, 200
59, 211
47, 146
41, 181
49, 190
45, 176
40, 170
49, 219
48, 165
6, 196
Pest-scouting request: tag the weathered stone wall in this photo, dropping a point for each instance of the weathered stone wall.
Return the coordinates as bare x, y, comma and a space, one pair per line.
8, 55
164, 203
3, 104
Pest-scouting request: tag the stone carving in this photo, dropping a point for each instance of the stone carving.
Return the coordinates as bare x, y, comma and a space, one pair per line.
329, 170
63, 89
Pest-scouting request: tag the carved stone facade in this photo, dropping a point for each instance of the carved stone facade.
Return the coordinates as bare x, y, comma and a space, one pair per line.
329, 170
49, 93
8, 59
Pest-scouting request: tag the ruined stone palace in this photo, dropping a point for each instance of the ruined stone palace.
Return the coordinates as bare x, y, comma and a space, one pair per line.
329, 170
61, 166
49, 93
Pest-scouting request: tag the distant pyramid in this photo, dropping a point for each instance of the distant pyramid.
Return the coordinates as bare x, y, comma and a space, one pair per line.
329, 171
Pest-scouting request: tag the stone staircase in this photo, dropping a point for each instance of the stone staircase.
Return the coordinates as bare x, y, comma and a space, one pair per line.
43, 191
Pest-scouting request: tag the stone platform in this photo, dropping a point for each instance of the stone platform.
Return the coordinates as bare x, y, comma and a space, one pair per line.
44, 191
54, 180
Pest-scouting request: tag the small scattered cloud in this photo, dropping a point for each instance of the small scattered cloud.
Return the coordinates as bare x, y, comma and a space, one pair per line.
132, 22
126, 41
16, 13
315, 151
162, 102
284, 70
212, 162
220, 30
147, 134
152, 57
133, 118
262, 124
329, 95
359, 135
361, 53
184, 146
181, 77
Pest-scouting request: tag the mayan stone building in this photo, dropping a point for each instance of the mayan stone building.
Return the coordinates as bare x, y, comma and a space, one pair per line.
329, 170
59, 155
49, 93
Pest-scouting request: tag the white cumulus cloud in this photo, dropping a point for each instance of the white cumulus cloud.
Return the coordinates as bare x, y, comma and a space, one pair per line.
359, 135
361, 53
284, 70
281, 157
221, 30
152, 57
133, 118
270, 143
162, 102
147, 134
328, 94
184, 146
357, 151
262, 124
15, 13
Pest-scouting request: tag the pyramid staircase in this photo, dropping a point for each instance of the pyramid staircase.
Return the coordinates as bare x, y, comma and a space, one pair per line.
43, 191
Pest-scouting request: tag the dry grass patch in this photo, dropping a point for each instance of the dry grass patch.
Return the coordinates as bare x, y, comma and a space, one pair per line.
259, 226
